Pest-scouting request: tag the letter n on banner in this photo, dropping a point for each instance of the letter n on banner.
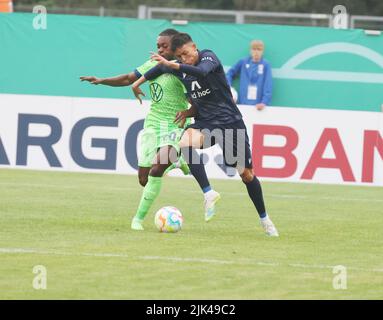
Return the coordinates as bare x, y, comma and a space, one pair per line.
372, 141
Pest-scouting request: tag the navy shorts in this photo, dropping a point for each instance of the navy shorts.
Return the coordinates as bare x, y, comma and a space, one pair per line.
231, 137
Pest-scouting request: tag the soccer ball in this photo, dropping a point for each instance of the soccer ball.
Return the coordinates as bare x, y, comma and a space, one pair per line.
168, 219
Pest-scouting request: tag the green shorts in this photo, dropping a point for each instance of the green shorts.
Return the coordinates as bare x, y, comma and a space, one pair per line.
152, 140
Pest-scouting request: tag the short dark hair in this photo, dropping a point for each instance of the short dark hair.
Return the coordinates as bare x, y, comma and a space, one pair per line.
179, 40
169, 33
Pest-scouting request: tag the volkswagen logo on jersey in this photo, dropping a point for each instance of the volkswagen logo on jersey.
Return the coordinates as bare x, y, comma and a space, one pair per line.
156, 92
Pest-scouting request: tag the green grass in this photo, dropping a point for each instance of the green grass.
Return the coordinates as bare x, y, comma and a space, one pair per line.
71, 222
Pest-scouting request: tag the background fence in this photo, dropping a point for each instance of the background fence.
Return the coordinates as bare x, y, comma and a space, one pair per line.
230, 16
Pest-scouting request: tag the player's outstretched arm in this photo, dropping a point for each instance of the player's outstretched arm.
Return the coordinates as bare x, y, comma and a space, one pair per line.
160, 69
162, 61
118, 81
207, 64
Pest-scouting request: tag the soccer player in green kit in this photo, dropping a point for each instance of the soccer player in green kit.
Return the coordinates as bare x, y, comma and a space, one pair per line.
159, 141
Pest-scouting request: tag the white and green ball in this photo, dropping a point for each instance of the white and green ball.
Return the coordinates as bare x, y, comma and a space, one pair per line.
168, 219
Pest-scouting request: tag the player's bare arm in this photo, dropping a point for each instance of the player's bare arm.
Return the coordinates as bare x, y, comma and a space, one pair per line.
183, 115
123, 80
137, 90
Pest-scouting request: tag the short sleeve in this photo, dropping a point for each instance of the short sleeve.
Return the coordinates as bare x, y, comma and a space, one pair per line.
145, 67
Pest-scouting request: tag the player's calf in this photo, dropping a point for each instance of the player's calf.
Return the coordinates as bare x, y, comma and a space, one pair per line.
254, 190
143, 174
246, 175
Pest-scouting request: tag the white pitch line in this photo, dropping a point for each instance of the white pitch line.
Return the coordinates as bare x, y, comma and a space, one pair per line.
272, 195
178, 259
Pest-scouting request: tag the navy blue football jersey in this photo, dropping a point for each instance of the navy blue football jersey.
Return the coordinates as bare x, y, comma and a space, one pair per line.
207, 87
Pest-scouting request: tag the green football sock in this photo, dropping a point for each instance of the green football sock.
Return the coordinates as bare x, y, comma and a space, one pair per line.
150, 193
171, 167
181, 164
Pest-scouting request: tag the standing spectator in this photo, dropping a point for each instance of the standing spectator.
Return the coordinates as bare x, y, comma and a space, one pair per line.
255, 84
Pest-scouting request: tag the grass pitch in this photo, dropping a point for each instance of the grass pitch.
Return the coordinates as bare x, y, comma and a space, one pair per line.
78, 227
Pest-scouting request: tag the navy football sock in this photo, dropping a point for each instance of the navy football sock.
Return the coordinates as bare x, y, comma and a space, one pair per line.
255, 192
197, 168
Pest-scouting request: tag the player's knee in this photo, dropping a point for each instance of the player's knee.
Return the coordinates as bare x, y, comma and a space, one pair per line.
183, 142
247, 176
157, 170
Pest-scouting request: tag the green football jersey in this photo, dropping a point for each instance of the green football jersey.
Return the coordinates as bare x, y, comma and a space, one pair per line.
168, 96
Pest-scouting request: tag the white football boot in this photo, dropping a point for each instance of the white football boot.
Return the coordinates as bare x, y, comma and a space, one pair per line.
211, 198
137, 224
269, 227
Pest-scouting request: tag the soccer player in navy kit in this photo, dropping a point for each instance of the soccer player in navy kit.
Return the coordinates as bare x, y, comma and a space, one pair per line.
217, 120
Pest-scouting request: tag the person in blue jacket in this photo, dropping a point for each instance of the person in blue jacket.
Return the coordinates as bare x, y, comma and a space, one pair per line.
256, 83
